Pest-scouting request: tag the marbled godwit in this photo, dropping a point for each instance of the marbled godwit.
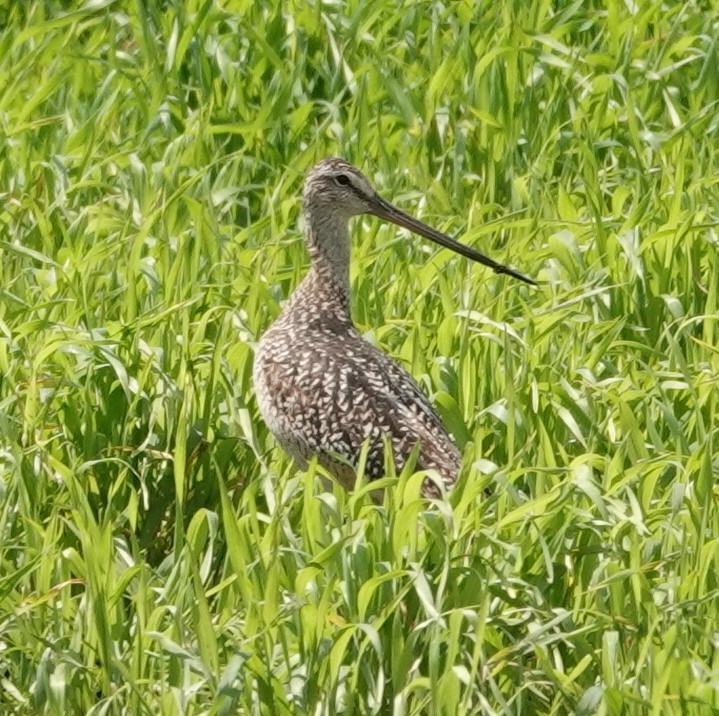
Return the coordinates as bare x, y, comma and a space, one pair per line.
322, 389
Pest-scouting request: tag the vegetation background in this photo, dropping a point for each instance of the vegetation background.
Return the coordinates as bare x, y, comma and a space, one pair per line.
159, 555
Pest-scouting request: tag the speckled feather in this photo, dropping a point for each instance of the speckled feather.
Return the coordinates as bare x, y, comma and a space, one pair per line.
322, 389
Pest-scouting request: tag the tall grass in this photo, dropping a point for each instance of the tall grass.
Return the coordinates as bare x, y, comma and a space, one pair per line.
158, 553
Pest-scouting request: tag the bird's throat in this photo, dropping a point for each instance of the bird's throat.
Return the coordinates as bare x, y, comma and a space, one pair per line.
329, 247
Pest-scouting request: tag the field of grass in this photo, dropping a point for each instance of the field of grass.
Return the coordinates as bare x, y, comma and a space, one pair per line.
160, 555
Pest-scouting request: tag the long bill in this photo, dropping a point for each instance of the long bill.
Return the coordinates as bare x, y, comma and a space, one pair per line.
384, 210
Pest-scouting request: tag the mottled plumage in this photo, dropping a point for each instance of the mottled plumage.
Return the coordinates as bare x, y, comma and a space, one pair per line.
322, 389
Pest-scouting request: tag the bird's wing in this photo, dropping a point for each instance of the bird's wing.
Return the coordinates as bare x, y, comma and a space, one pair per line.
328, 392
399, 404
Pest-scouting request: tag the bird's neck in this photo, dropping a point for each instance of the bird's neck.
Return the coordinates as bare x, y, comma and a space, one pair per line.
328, 244
324, 294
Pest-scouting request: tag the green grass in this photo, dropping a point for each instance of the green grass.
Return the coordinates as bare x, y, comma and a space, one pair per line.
158, 553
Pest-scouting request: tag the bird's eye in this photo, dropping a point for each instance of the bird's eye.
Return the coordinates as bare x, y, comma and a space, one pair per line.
342, 180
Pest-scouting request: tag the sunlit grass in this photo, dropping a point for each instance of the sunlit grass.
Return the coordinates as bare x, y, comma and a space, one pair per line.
158, 553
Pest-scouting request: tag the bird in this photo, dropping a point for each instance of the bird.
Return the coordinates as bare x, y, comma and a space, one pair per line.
322, 389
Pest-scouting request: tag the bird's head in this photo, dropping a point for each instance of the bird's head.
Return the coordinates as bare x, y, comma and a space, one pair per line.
334, 186
334, 191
